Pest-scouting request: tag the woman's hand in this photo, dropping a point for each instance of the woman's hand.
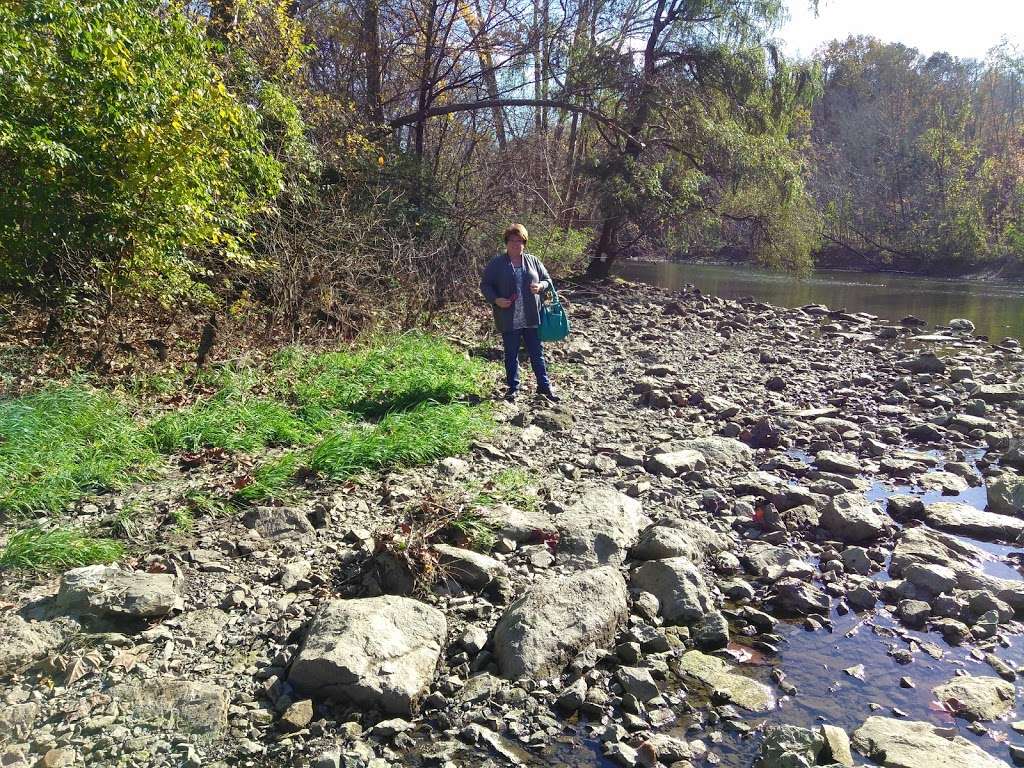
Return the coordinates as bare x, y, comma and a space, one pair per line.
535, 288
503, 303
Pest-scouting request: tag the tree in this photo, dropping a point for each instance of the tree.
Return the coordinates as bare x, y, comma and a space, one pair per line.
130, 170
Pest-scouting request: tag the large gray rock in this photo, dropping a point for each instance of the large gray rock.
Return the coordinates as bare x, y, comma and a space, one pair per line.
718, 675
599, 528
16, 721
278, 523
999, 393
841, 463
186, 707
977, 698
23, 642
106, 589
673, 463
914, 744
376, 652
689, 539
683, 596
795, 597
853, 519
789, 746
769, 562
930, 579
1006, 494
545, 629
921, 545
723, 451
966, 520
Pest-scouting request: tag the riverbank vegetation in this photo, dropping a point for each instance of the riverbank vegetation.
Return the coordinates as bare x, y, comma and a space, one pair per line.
188, 180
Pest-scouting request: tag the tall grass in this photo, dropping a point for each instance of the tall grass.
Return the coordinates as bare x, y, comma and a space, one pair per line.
235, 421
61, 442
392, 375
37, 549
417, 436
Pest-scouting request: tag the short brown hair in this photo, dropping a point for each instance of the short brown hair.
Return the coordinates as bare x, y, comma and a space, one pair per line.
516, 229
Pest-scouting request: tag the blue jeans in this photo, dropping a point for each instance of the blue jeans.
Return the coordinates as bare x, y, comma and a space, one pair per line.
512, 340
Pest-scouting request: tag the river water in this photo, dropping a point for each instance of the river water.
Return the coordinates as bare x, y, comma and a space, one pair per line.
996, 309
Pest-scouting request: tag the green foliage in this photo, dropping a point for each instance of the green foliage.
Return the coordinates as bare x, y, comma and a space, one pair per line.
562, 250
128, 166
509, 486
385, 376
481, 535
270, 479
61, 442
236, 421
36, 549
417, 436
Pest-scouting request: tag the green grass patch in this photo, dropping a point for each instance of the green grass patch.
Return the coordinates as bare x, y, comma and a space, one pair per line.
509, 486
408, 438
479, 533
62, 442
36, 549
391, 376
272, 478
235, 421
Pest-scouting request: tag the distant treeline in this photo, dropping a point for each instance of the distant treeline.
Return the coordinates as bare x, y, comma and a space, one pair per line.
919, 161
294, 167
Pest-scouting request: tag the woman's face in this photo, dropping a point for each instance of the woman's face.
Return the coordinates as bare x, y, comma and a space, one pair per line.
514, 245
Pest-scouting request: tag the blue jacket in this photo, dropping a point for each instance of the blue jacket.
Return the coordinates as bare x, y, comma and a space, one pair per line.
499, 281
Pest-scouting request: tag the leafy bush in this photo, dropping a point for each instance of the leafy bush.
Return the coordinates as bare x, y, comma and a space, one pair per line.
127, 165
61, 442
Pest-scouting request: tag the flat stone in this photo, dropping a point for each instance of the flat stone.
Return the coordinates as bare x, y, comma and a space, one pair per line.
675, 463
683, 596
298, 716
376, 652
966, 520
977, 698
843, 463
599, 528
999, 393
106, 589
723, 451
184, 706
557, 618
769, 562
718, 675
23, 642
914, 744
17, 720
853, 519
278, 523
787, 746
689, 539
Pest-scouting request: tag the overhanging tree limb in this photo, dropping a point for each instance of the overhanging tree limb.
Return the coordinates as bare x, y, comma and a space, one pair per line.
470, 106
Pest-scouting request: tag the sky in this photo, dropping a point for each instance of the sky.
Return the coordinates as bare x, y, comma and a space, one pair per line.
964, 29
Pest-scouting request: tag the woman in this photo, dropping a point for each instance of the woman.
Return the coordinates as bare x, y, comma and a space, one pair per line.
512, 283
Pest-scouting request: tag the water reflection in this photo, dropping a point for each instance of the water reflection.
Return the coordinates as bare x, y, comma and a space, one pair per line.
996, 309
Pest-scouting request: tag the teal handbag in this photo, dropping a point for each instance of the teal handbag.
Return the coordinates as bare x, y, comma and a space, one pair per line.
554, 322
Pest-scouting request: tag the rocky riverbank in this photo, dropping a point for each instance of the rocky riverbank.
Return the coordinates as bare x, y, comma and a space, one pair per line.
720, 482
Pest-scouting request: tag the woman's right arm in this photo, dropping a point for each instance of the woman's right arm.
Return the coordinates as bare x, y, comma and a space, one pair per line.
487, 286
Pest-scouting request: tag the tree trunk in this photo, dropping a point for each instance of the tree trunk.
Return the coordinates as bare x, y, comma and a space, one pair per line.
223, 18
423, 95
371, 42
